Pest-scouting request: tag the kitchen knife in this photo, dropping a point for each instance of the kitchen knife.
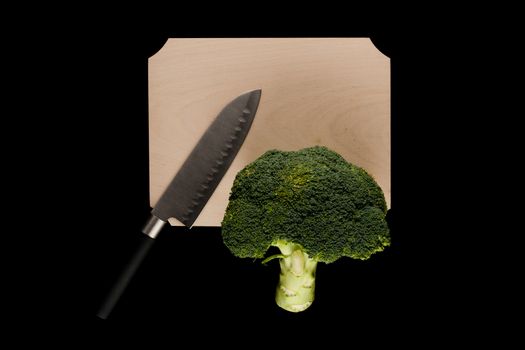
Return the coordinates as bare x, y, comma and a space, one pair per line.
195, 182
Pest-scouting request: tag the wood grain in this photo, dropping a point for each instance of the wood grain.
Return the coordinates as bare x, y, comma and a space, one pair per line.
315, 91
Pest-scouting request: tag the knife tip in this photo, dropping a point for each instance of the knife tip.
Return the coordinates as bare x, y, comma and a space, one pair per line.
256, 93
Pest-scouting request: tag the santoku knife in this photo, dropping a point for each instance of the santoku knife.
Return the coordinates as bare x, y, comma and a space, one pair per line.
195, 182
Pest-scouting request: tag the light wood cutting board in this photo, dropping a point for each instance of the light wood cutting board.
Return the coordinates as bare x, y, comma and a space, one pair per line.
315, 91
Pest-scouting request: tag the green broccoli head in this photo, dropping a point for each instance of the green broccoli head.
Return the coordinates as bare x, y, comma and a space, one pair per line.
311, 204
311, 197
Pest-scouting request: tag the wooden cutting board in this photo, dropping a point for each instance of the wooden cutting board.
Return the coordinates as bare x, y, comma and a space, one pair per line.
315, 91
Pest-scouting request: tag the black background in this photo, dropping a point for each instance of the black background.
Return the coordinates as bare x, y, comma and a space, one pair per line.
190, 275
74, 129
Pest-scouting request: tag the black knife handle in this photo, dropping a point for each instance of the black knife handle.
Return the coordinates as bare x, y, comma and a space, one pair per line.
150, 232
125, 277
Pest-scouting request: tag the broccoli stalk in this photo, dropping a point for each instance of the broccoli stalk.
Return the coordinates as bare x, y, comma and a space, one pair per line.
311, 204
295, 291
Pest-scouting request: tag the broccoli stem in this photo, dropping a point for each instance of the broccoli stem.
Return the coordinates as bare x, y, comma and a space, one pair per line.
295, 291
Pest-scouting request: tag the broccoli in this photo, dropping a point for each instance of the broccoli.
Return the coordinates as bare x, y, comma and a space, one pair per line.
311, 204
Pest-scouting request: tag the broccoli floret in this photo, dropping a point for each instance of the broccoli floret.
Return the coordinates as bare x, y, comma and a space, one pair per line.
311, 204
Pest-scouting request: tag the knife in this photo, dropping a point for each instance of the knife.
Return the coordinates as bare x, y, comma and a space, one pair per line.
195, 182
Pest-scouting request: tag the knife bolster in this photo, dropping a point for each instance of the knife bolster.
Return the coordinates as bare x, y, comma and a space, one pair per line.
153, 226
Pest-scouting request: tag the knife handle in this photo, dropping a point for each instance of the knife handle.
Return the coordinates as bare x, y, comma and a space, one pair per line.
151, 230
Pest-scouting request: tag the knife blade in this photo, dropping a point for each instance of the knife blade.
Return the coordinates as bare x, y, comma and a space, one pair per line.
194, 183
204, 168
